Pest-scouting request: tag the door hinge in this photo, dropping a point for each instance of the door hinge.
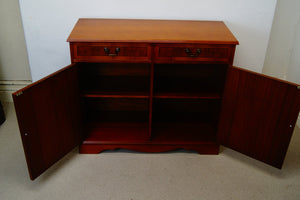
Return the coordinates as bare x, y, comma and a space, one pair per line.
19, 93
298, 87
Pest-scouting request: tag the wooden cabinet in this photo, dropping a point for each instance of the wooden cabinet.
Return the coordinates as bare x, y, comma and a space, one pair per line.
154, 86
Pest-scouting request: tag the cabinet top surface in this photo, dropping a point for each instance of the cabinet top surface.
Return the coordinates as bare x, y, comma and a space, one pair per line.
152, 31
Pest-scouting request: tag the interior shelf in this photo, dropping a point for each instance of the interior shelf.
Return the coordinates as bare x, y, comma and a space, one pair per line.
164, 133
114, 94
188, 81
116, 132
183, 133
115, 80
186, 95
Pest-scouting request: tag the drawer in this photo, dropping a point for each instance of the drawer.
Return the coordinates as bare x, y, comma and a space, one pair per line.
194, 53
110, 52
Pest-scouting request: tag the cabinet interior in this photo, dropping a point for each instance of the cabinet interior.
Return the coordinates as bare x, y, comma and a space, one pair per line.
129, 102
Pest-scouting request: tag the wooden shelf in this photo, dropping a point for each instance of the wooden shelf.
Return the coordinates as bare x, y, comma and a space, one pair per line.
116, 132
164, 133
113, 94
181, 95
183, 133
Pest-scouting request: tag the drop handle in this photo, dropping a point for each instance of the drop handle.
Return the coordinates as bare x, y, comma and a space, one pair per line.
107, 51
190, 53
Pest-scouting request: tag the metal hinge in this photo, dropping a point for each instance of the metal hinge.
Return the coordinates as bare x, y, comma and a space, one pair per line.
19, 93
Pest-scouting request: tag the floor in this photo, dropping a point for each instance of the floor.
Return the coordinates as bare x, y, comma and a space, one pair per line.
130, 175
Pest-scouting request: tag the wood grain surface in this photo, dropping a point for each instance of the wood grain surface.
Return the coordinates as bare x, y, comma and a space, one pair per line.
154, 31
258, 115
48, 114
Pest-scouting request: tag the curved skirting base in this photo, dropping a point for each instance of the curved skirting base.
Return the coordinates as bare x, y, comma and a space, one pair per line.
148, 148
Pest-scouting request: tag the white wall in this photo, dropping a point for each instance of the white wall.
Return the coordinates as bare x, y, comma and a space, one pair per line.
13, 56
282, 39
14, 66
283, 54
47, 24
293, 71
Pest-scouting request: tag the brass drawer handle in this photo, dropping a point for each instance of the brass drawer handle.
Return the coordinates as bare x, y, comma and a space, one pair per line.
189, 53
107, 50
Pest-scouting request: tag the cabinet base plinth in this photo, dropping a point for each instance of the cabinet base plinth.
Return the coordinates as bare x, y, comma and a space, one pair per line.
149, 148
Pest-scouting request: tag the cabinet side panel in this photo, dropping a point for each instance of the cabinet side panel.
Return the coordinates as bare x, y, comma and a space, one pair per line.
258, 115
48, 117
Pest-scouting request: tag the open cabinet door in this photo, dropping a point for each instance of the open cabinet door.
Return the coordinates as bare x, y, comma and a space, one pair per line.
258, 115
49, 118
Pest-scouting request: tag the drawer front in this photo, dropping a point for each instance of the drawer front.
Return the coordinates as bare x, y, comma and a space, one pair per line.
194, 53
110, 52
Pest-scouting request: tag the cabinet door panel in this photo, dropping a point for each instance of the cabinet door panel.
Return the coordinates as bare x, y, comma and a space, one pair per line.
48, 117
258, 115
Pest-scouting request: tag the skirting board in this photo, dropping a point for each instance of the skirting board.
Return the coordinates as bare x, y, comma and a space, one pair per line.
8, 87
